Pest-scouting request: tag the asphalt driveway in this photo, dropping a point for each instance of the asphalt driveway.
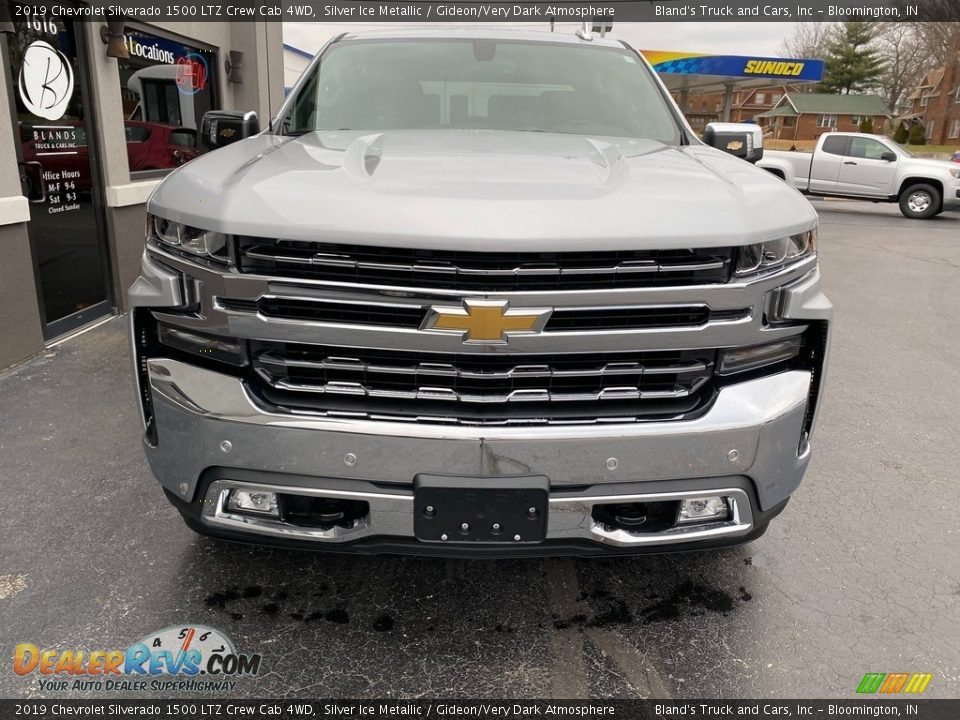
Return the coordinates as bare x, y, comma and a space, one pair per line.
860, 574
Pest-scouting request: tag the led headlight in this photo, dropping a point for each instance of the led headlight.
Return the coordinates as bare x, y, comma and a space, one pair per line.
203, 243
775, 254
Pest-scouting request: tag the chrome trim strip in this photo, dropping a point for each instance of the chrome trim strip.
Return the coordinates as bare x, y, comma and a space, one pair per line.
391, 514
576, 519
339, 387
332, 362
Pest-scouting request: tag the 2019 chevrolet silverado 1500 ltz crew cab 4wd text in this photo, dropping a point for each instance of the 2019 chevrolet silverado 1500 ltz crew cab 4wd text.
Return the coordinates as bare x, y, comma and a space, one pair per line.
870, 167
477, 292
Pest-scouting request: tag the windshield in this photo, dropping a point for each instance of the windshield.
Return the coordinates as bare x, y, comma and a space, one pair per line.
482, 84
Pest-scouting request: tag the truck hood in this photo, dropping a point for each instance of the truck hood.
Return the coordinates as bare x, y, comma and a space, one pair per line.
469, 188
931, 165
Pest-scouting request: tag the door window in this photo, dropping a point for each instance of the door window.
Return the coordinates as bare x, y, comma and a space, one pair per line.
867, 148
834, 144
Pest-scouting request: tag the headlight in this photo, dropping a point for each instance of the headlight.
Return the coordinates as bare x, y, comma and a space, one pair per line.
775, 254
955, 172
203, 243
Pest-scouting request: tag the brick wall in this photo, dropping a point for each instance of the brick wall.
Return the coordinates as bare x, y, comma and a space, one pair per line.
944, 109
806, 126
943, 104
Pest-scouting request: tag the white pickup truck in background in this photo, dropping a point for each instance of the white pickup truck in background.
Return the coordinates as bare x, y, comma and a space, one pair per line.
869, 167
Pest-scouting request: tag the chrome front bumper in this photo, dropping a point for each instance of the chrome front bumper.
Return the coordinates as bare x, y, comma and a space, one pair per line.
391, 515
744, 448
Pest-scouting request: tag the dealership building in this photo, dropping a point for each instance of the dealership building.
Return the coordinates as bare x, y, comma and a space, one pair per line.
96, 114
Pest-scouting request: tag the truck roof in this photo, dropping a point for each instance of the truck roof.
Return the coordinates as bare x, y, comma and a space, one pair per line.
481, 33
857, 134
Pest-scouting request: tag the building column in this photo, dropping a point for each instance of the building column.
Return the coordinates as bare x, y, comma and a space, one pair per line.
19, 305
727, 102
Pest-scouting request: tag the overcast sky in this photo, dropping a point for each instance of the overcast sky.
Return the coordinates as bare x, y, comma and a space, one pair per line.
752, 38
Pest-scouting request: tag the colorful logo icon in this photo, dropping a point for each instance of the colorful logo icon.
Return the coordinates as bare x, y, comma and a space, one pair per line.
189, 650
485, 321
894, 683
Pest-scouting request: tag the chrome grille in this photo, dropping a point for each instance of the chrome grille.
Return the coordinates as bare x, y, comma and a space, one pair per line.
483, 271
411, 316
487, 388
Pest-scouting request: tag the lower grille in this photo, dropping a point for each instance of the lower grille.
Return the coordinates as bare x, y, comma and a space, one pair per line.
483, 389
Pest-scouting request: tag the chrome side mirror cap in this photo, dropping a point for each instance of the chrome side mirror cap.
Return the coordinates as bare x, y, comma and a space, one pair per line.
743, 140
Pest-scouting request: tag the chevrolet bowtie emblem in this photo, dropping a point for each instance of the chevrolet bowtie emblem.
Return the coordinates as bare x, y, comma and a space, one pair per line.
486, 321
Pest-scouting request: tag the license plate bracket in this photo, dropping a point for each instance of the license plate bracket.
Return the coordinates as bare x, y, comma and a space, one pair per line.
495, 510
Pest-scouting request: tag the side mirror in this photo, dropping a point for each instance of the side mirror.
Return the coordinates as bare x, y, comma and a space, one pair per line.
888, 156
222, 127
744, 140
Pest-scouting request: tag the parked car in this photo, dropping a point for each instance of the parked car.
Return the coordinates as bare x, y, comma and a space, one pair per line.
956, 157
478, 292
870, 167
157, 146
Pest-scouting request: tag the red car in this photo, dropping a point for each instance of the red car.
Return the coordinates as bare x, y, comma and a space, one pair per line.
155, 146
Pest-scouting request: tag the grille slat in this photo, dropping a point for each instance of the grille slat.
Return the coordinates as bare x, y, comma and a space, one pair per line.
411, 316
486, 389
483, 271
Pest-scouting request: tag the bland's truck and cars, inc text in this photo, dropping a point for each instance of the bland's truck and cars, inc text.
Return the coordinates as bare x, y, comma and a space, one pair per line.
478, 292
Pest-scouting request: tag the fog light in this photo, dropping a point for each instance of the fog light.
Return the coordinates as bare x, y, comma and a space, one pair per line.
262, 503
703, 509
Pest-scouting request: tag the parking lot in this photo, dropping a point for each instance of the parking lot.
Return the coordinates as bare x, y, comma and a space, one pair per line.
860, 574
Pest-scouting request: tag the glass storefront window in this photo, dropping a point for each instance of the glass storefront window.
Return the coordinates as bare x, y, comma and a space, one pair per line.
166, 88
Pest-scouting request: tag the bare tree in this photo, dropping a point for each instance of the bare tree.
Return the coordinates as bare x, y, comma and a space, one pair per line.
809, 40
906, 59
932, 11
936, 37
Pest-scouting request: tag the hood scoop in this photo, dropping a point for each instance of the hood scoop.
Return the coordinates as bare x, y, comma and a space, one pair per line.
362, 156
606, 158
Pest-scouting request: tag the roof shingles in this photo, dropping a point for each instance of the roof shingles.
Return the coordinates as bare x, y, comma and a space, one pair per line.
826, 104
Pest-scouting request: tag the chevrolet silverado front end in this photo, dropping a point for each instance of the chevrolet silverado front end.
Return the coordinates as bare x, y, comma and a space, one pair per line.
478, 293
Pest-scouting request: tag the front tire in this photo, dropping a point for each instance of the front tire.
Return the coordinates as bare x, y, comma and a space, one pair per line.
920, 201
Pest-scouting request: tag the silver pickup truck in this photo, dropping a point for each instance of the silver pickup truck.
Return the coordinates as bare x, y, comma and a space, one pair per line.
870, 167
478, 293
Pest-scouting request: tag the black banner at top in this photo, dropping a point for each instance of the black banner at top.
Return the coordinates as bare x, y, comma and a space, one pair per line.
454, 709
380, 11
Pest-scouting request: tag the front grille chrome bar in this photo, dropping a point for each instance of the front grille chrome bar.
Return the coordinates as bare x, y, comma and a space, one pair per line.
344, 261
449, 370
338, 387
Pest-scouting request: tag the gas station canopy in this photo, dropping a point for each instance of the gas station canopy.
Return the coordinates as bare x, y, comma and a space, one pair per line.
716, 73
682, 72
